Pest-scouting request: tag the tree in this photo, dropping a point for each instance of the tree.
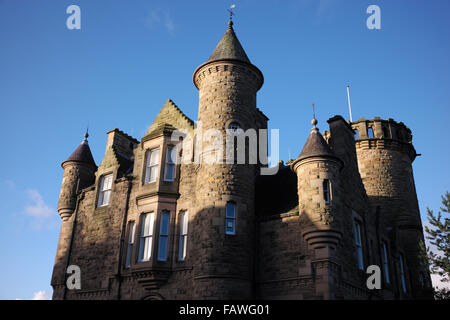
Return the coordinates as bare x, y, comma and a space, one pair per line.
439, 235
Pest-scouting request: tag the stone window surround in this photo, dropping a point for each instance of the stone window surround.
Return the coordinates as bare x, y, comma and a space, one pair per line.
178, 234
145, 168
155, 243
239, 122
358, 218
163, 144
385, 241
97, 188
330, 191
240, 207
127, 237
160, 226
401, 257
138, 238
166, 149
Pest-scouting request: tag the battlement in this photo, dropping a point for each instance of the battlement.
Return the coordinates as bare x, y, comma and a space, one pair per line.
378, 128
383, 134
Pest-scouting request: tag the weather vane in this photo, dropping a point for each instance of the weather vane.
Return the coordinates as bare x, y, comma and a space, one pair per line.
231, 11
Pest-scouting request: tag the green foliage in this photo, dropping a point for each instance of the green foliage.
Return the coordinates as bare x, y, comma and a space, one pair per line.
439, 236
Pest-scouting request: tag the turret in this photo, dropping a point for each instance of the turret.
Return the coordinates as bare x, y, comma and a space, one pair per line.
223, 239
320, 200
319, 191
385, 154
79, 171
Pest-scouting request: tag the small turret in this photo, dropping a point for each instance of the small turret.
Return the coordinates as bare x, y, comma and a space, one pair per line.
319, 195
79, 171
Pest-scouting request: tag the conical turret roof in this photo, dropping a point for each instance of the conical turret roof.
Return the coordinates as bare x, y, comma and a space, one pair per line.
82, 153
315, 145
229, 47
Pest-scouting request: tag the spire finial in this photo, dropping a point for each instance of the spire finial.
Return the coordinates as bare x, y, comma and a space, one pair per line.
230, 22
86, 135
314, 120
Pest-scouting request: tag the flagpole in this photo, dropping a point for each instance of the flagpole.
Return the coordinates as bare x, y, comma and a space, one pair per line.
349, 105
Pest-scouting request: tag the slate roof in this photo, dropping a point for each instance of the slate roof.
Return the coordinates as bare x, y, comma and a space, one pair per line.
229, 47
316, 146
82, 154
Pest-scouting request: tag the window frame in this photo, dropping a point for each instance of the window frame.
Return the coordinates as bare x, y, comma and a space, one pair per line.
149, 166
234, 127
173, 149
143, 237
327, 196
230, 219
102, 191
357, 230
163, 235
130, 243
385, 262
402, 266
183, 236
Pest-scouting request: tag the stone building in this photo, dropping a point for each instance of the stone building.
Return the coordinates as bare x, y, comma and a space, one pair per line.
142, 225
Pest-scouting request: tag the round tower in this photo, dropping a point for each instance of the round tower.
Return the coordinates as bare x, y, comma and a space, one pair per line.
79, 171
385, 154
223, 235
320, 201
319, 192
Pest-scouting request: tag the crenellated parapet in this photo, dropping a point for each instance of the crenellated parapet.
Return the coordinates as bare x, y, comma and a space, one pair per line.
383, 134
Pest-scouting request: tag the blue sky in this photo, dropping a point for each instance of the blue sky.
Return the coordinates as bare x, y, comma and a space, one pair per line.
131, 56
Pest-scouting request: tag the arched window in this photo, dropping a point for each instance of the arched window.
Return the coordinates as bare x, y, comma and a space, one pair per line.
234, 127
356, 134
370, 132
385, 133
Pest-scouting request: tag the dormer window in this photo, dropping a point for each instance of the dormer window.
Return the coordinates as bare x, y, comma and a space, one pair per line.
105, 187
170, 164
152, 165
